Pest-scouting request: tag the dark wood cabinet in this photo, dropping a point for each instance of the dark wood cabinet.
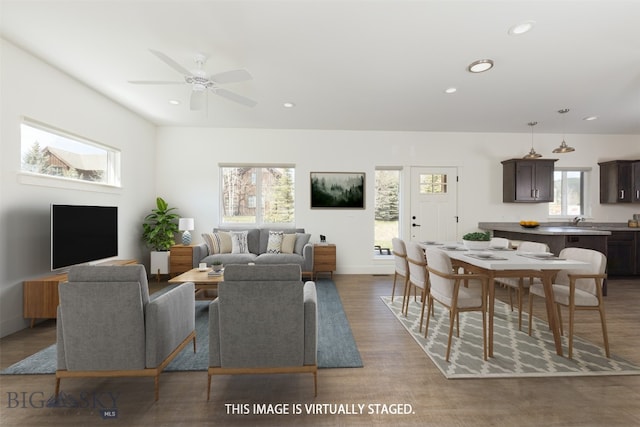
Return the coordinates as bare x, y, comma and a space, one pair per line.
622, 259
635, 196
617, 181
527, 180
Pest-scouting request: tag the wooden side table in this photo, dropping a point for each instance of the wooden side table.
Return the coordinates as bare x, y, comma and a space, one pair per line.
180, 259
40, 296
324, 259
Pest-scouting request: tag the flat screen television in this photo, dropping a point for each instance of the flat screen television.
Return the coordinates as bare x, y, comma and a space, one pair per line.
81, 234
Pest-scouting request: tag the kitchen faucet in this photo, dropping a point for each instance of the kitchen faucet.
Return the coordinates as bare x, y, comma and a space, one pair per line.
577, 220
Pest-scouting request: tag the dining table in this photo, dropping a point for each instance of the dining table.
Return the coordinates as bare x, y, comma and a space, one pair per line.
506, 262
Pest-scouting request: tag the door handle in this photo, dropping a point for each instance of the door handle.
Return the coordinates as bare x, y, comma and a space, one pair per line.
415, 225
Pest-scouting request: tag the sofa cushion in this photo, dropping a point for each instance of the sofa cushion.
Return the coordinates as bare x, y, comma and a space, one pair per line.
288, 243
264, 236
227, 259
239, 244
218, 243
275, 242
301, 240
253, 237
279, 259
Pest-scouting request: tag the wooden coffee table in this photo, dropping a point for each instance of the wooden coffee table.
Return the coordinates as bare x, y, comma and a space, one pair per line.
201, 279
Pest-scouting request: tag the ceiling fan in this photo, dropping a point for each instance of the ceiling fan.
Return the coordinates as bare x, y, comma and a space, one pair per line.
201, 83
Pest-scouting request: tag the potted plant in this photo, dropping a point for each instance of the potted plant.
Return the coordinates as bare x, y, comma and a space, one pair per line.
477, 240
159, 230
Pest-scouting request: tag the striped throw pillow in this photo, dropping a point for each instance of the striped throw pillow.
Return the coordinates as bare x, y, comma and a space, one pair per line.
218, 243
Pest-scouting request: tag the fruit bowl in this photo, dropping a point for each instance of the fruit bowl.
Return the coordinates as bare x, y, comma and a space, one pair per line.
529, 224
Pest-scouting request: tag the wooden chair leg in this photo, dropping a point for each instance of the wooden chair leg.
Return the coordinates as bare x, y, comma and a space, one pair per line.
393, 290
452, 316
520, 292
530, 311
572, 311
57, 390
208, 387
604, 330
429, 309
559, 319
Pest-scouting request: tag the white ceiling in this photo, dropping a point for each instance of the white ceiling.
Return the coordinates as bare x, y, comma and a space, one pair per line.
360, 65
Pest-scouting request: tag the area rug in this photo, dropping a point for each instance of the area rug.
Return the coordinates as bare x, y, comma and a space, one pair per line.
515, 353
336, 345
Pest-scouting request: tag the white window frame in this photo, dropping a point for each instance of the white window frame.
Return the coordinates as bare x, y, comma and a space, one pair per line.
113, 169
256, 179
586, 199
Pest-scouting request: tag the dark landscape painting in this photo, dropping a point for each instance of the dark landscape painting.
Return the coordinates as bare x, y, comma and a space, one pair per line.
337, 190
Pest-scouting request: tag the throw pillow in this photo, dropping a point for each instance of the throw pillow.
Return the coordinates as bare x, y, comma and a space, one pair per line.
239, 242
217, 243
288, 243
274, 246
301, 240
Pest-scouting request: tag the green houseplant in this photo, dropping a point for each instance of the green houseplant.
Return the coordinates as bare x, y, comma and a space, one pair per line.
159, 230
477, 240
160, 226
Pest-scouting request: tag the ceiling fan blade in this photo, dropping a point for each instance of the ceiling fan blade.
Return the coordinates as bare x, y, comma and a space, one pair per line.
232, 76
150, 82
198, 100
235, 97
171, 63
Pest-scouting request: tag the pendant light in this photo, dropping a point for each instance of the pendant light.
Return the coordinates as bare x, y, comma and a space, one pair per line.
563, 148
532, 154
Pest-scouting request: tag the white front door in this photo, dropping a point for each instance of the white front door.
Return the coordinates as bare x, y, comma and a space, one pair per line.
434, 204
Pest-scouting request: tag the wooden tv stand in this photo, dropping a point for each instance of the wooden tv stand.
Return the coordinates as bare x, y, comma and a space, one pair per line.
40, 296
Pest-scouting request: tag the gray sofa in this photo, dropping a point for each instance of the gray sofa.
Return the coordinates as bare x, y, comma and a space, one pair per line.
264, 321
257, 242
109, 326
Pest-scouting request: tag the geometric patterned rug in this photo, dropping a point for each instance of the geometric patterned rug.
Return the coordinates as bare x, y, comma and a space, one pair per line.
515, 353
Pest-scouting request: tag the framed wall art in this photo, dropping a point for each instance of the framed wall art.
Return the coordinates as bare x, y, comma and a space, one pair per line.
337, 190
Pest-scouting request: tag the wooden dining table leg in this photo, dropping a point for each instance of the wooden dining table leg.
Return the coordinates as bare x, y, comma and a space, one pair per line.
547, 283
492, 299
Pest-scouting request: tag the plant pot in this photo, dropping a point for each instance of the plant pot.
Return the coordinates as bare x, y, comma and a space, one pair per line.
159, 262
476, 245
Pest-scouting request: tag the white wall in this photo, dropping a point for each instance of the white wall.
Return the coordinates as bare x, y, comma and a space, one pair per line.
31, 88
188, 159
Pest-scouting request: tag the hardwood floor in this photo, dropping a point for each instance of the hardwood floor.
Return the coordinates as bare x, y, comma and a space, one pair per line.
396, 371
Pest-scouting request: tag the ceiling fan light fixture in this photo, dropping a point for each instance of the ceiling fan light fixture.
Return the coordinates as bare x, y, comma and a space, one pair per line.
480, 66
563, 148
532, 154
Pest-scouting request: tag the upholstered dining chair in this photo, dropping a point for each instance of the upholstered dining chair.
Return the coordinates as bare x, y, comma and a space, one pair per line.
447, 288
418, 276
577, 290
401, 268
499, 243
521, 284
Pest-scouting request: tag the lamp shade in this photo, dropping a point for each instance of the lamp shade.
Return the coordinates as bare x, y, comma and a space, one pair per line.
185, 224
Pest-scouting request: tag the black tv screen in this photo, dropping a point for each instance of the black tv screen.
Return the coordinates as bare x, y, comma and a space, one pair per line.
81, 234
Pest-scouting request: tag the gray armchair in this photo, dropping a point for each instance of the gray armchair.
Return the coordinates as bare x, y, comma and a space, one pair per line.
264, 321
108, 326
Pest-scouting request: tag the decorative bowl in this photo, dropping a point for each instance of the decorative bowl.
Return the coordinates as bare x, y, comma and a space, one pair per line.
476, 245
529, 224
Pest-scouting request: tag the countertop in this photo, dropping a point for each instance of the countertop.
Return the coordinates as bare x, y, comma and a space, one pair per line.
583, 229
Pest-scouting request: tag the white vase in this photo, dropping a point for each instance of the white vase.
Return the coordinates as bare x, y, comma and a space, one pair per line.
476, 245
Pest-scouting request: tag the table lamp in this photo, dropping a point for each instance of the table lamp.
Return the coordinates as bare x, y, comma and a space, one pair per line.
185, 225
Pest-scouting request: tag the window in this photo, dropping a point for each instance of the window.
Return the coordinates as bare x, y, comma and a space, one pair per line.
432, 183
50, 152
257, 195
569, 192
387, 209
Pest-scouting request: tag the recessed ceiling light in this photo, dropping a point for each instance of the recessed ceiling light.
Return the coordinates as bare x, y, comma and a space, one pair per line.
450, 90
288, 105
480, 66
590, 118
521, 28
174, 102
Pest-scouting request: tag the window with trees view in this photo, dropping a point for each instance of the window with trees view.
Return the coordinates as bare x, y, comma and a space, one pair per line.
568, 193
258, 194
50, 152
387, 207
